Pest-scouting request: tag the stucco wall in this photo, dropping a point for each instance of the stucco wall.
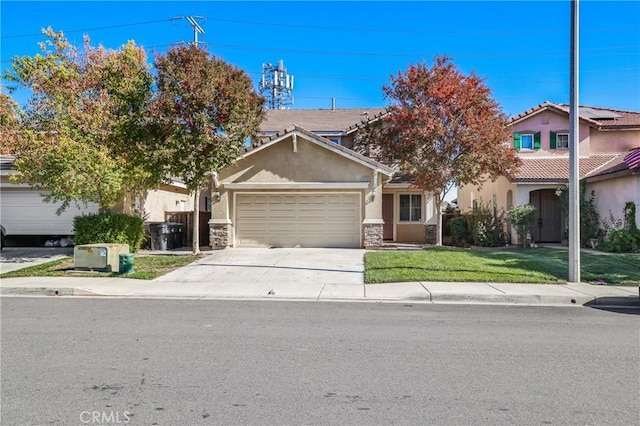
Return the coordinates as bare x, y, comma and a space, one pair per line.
614, 141
612, 194
168, 199
278, 164
484, 194
311, 163
550, 121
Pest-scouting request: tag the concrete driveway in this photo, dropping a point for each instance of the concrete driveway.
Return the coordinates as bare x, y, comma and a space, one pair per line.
14, 258
273, 267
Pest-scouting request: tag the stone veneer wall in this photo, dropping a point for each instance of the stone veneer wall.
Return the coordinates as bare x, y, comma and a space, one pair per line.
372, 235
431, 234
219, 235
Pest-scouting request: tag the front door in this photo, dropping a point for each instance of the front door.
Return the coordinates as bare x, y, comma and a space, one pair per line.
387, 216
548, 217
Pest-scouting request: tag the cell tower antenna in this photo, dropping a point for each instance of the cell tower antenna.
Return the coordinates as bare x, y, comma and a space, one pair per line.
276, 84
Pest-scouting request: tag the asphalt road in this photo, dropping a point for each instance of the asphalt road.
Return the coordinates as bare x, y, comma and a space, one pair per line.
170, 362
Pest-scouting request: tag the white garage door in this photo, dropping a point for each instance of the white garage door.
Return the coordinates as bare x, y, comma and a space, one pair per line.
305, 220
23, 212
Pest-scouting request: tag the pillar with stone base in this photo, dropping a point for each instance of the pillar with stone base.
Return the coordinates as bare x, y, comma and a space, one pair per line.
372, 232
219, 230
431, 234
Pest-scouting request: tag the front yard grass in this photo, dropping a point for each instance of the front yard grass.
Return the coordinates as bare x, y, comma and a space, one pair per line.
145, 268
539, 266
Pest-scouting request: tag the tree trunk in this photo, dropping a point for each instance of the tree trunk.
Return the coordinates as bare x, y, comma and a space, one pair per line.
196, 221
438, 221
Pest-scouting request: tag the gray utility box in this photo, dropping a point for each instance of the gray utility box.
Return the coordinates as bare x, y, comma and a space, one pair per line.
99, 257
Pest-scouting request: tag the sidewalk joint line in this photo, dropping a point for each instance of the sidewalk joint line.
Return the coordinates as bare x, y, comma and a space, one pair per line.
495, 288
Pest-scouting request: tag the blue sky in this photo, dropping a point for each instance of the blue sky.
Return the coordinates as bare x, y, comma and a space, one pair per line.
348, 50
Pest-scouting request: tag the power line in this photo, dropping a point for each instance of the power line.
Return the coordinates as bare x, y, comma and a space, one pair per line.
109, 27
550, 53
408, 31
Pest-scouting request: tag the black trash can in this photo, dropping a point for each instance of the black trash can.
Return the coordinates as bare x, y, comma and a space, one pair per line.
159, 236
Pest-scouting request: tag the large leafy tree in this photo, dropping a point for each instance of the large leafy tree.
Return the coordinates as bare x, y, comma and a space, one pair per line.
10, 122
203, 112
82, 132
443, 128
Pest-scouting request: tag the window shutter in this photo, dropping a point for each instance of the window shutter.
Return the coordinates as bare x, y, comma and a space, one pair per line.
552, 140
536, 140
516, 140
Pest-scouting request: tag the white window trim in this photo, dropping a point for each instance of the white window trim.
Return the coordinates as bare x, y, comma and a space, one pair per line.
422, 209
562, 133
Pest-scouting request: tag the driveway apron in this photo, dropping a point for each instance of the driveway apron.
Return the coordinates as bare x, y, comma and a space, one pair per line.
265, 267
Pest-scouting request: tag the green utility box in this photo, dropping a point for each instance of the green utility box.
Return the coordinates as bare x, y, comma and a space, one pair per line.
126, 263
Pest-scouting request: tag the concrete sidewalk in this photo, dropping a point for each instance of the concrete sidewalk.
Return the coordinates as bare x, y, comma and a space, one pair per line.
429, 292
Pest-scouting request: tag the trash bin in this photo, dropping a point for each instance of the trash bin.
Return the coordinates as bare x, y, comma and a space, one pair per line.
176, 235
159, 236
126, 264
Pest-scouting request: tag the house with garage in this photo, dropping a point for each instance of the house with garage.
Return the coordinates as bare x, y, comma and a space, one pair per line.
301, 184
25, 214
540, 135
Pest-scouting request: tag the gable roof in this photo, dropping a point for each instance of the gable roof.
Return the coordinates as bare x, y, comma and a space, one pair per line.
339, 121
554, 169
601, 118
294, 130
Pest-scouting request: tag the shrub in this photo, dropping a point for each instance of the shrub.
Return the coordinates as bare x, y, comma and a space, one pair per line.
589, 217
459, 228
119, 228
522, 218
487, 227
619, 236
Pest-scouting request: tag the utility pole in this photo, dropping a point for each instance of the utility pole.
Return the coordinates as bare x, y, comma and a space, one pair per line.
197, 29
574, 152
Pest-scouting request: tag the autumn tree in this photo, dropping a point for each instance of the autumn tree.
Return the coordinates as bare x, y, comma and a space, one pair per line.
10, 124
443, 128
82, 132
203, 112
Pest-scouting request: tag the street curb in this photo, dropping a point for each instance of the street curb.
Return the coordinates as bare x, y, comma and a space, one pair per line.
504, 299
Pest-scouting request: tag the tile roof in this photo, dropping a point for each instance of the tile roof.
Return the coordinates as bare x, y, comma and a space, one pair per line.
401, 178
552, 169
319, 120
618, 164
621, 119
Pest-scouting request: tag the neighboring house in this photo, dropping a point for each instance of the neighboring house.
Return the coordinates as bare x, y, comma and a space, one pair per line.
541, 137
300, 184
23, 212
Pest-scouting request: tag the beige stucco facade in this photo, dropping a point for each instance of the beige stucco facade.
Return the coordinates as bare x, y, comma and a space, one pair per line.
294, 166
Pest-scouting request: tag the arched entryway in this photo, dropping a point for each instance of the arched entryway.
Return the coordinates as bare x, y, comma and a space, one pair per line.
547, 225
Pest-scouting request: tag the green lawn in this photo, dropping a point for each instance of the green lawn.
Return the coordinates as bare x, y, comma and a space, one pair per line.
541, 265
146, 268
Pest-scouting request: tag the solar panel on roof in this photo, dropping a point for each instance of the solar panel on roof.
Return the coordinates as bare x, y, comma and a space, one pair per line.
598, 113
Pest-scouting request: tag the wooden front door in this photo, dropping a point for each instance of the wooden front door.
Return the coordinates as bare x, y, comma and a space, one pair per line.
387, 216
548, 217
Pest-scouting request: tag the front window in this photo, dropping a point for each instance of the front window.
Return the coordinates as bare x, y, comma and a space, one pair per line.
562, 140
410, 207
526, 141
